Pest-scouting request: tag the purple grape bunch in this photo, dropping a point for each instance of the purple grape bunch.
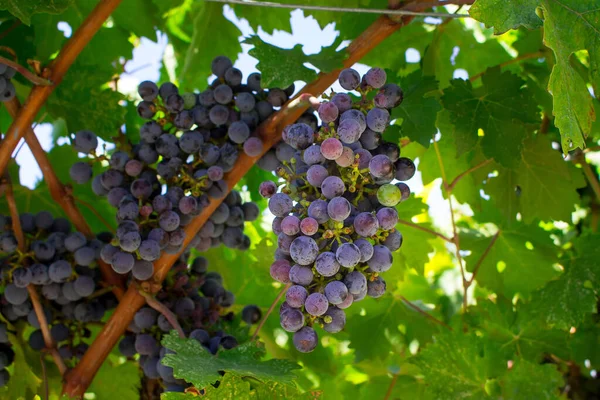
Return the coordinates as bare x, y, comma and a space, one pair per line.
7, 88
335, 216
60, 264
159, 184
198, 300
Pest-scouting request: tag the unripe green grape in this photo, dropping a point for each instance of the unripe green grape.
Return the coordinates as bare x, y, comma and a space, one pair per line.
389, 195
189, 100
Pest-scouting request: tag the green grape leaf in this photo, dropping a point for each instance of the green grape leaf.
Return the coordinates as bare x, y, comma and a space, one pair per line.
196, 365
502, 108
527, 380
210, 26
518, 331
390, 323
83, 88
235, 387
253, 283
281, 67
22, 379
543, 186
467, 188
269, 19
103, 51
457, 366
441, 58
566, 301
145, 17
124, 379
519, 260
504, 15
419, 108
24, 9
570, 26
416, 243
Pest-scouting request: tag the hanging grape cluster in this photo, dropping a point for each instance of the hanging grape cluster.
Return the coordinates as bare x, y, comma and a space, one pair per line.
197, 299
334, 212
7, 89
61, 264
187, 145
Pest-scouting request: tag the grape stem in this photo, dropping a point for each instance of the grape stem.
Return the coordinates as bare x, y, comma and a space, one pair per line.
269, 132
35, 300
270, 310
164, 310
50, 346
455, 181
60, 196
455, 238
388, 393
14, 213
27, 74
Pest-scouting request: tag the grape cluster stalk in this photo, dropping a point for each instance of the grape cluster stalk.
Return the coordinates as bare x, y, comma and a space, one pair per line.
62, 265
7, 89
335, 216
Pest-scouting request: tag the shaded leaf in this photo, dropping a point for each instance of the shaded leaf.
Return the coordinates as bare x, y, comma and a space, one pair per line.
196, 365
123, 379
501, 108
82, 88
24, 9
543, 186
210, 26
519, 261
281, 67
526, 380
566, 301
419, 108
570, 26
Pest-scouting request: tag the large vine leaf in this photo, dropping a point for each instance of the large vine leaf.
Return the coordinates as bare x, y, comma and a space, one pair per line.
444, 158
82, 89
503, 15
419, 107
566, 301
501, 108
235, 387
196, 365
389, 323
519, 260
517, 330
210, 26
543, 186
281, 67
526, 380
454, 46
123, 379
570, 26
24, 9
22, 379
457, 366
